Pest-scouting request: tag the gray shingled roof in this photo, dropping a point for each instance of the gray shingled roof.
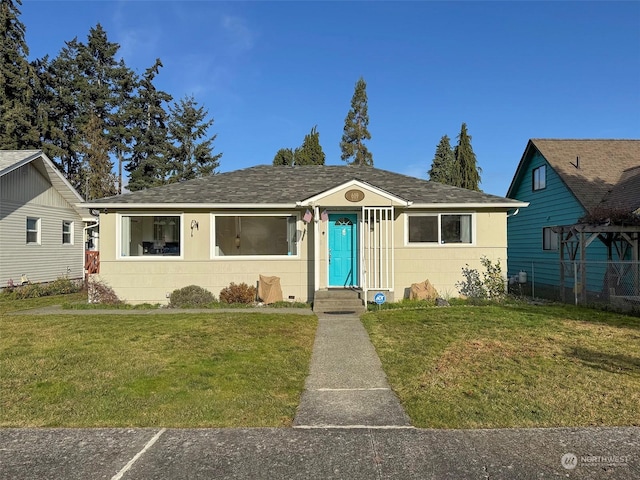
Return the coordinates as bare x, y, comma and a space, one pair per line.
11, 158
606, 175
266, 184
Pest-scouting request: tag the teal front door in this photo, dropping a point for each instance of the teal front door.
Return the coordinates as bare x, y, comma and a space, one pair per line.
343, 251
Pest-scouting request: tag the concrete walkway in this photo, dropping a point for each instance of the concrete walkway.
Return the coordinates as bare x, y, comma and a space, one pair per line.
346, 386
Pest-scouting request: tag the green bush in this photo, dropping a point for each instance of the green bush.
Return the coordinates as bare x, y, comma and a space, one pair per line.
61, 286
191, 296
30, 290
488, 285
241, 293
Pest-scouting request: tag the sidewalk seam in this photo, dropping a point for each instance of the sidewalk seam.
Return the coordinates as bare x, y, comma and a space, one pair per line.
130, 463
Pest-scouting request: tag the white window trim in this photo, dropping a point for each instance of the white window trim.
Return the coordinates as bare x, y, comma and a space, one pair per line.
149, 258
439, 244
71, 232
38, 230
236, 258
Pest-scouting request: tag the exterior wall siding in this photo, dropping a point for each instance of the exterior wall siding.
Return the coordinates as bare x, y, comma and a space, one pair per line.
442, 264
553, 205
150, 280
25, 193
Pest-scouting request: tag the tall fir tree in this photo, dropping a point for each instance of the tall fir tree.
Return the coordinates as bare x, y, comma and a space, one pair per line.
356, 131
284, 156
310, 153
85, 81
62, 80
192, 149
151, 152
18, 82
467, 172
93, 148
443, 164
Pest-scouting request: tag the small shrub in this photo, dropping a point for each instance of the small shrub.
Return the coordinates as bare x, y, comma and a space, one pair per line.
61, 286
100, 292
241, 293
190, 297
30, 290
489, 285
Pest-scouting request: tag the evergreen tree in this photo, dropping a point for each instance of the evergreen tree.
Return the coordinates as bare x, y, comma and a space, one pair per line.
148, 165
355, 129
191, 157
284, 156
310, 153
83, 82
18, 82
99, 181
467, 172
443, 164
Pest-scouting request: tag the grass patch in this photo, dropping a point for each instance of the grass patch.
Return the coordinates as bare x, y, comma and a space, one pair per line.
8, 303
511, 365
180, 370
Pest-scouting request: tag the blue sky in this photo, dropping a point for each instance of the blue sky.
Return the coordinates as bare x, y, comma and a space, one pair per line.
269, 71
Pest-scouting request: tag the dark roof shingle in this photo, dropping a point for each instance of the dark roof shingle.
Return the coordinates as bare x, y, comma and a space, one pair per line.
266, 184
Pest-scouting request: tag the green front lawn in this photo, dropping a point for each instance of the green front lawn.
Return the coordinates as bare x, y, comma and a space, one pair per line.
179, 370
511, 366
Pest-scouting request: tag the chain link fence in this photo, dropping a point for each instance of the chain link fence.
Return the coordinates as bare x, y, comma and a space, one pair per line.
580, 282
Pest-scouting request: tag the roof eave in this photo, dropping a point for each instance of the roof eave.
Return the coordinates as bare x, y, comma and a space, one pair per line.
185, 206
506, 205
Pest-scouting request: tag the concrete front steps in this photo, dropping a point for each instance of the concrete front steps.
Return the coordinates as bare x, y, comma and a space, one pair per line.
339, 300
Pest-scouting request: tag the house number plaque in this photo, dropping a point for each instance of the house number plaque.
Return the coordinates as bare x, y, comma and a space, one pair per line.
354, 195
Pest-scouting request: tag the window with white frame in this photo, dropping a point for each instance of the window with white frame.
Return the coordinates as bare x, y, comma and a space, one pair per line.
440, 228
549, 239
539, 177
150, 235
67, 232
33, 231
246, 235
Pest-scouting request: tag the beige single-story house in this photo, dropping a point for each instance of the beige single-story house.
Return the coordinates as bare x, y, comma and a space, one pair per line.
41, 223
314, 227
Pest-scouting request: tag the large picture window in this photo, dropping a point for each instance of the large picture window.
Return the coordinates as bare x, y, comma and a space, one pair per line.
255, 235
150, 235
440, 229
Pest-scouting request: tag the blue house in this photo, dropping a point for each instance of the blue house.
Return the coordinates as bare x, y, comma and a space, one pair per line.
583, 196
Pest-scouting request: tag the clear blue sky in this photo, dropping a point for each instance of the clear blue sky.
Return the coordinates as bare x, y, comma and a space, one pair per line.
269, 71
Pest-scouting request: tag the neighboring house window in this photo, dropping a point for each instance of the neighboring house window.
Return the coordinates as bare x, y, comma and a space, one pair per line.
549, 239
540, 177
440, 229
255, 235
33, 230
150, 235
67, 232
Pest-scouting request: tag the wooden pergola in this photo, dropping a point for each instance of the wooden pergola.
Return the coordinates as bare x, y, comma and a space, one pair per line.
621, 241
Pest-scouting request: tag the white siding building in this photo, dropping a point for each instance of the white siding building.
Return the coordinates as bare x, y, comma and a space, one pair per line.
41, 229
